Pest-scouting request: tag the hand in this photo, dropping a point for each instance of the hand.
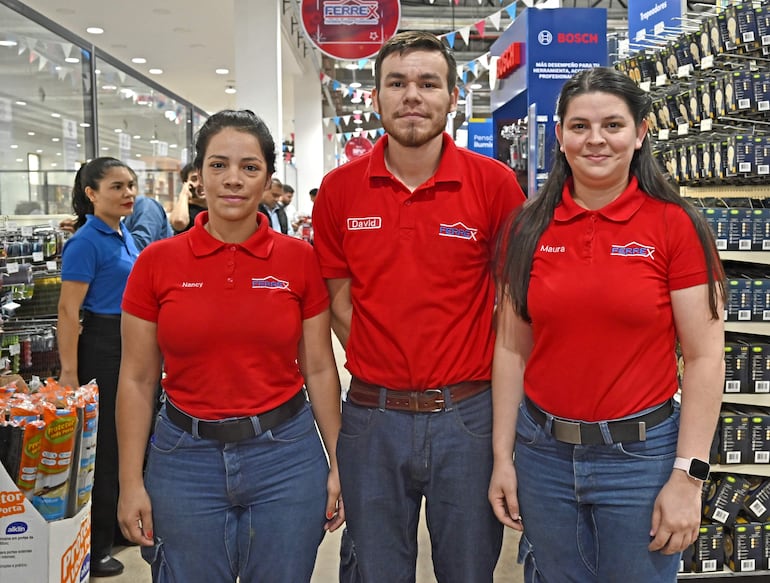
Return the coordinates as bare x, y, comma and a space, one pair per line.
67, 225
135, 515
676, 515
502, 495
69, 380
335, 509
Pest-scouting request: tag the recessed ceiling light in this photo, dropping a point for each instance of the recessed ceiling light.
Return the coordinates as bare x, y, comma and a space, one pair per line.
476, 86
14, 146
56, 115
21, 102
172, 146
230, 90
84, 124
30, 133
156, 71
71, 60
139, 60
118, 131
98, 71
137, 137
58, 153
55, 139
8, 43
19, 159
54, 164
105, 148
95, 30
77, 145
351, 66
57, 68
222, 71
109, 87
39, 151
138, 155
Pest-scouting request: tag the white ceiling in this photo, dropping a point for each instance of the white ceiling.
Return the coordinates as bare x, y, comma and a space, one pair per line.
187, 40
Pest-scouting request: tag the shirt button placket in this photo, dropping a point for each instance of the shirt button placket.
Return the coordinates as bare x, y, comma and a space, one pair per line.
230, 268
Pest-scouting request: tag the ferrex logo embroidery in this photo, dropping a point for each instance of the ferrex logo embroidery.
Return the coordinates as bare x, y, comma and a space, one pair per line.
364, 223
11, 503
269, 282
633, 249
457, 231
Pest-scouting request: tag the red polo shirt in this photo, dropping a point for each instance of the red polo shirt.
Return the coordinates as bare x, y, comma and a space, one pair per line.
599, 298
229, 316
419, 264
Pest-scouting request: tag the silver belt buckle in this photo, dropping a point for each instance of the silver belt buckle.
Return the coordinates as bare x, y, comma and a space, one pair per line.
566, 431
642, 431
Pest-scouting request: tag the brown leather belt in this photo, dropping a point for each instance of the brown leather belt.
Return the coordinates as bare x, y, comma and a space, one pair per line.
428, 401
584, 433
232, 430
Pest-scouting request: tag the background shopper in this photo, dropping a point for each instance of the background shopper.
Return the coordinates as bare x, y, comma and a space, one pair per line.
237, 485
96, 262
603, 273
405, 238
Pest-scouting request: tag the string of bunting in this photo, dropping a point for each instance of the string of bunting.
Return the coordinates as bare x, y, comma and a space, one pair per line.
473, 67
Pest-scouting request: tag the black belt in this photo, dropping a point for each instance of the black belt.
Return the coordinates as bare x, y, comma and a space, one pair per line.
366, 394
88, 315
583, 433
230, 430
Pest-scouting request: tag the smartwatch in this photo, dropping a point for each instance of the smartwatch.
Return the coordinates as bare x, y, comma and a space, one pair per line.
694, 467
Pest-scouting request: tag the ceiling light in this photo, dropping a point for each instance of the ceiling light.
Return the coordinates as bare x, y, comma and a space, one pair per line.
71, 60
21, 102
352, 66
8, 43
53, 164
55, 139
84, 124
138, 155
222, 71
19, 159
357, 112
77, 145
30, 133
109, 87
172, 146
57, 68
139, 60
230, 90
355, 85
58, 153
105, 148
14, 146
357, 121
476, 86
39, 151
118, 131
98, 71
94, 30
156, 71
137, 137
56, 115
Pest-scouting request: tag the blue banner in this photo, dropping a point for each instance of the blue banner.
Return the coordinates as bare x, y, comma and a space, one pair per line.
649, 18
481, 136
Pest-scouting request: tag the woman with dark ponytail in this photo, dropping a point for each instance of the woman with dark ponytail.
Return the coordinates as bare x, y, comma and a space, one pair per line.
602, 273
96, 262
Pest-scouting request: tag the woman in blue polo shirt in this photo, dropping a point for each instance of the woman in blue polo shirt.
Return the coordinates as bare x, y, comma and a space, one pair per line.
95, 266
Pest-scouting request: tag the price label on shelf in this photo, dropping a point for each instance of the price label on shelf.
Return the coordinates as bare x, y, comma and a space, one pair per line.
14, 349
645, 85
12, 267
37, 256
50, 265
661, 80
26, 231
663, 134
706, 124
682, 129
707, 62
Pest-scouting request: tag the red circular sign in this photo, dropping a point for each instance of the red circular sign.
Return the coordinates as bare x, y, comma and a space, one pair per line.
350, 29
357, 146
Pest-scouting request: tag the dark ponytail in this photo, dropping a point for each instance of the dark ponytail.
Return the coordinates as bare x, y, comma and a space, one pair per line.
89, 175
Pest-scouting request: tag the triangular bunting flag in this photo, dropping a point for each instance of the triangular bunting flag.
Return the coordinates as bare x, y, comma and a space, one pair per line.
511, 10
495, 19
346, 119
381, 131
42, 63
362, 63
484, 60
367, 115
330, 136
465, 32
450, 38
337, 120
480, 28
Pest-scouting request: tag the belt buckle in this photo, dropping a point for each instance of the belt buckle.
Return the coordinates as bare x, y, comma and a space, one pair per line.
566, 431
642, 426
439, 399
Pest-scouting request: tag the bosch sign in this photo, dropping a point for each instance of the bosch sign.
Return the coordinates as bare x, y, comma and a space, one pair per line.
511, 59
586, 38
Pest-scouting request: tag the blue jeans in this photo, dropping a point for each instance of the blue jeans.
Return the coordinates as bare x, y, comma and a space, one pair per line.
587, 509
252, 509
390, 460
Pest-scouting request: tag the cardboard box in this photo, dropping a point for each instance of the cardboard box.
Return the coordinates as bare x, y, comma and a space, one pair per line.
739, 229
734, 442
760, 231
760, 300
744, 546
725, 498
709, 549
686, 560
737, 370
760, 368
35, 551
757, 501
739, 299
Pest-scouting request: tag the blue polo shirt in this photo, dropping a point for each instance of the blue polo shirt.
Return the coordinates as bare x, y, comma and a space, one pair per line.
100, 257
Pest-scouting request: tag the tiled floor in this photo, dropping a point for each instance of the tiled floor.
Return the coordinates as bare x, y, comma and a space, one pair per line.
327, 563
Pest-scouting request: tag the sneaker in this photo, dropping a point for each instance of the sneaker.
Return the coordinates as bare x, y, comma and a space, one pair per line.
106, 567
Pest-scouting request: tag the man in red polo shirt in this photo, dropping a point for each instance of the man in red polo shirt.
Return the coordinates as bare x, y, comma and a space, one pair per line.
405, 238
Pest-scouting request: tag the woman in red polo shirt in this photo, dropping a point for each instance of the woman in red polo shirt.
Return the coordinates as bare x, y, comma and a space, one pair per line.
237, 483
602, 273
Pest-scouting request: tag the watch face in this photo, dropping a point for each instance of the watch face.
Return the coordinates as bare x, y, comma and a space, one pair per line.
699, 469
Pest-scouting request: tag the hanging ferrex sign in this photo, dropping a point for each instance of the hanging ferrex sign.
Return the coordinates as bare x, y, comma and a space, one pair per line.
350, 29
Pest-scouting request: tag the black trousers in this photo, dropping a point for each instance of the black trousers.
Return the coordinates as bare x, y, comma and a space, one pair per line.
99, 358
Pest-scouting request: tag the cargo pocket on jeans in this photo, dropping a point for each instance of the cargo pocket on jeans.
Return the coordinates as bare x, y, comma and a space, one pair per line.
527, 559
154, 557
